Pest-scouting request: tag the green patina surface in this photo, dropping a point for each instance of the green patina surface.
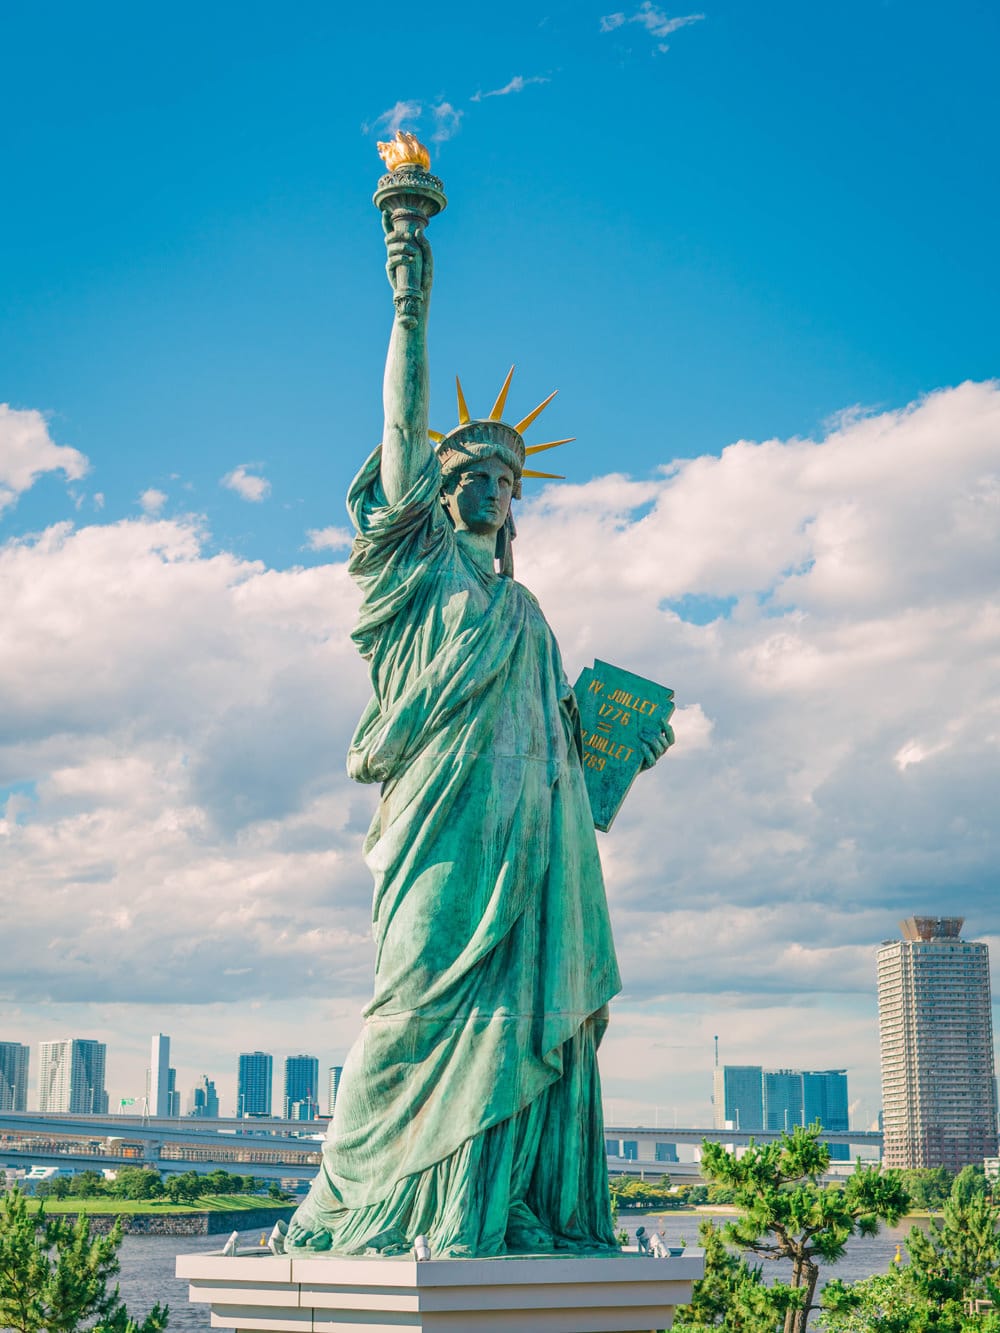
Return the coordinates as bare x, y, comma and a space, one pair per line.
470, 1107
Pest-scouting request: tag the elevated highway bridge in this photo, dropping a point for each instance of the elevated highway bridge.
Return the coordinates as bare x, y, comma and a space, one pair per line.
290, 1149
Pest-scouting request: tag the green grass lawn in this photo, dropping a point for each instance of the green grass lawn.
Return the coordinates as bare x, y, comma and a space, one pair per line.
208, 1203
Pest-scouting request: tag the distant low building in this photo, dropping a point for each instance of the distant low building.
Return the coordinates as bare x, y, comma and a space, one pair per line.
204, 1099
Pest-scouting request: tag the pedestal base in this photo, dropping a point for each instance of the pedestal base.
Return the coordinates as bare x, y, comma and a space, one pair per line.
625, 1293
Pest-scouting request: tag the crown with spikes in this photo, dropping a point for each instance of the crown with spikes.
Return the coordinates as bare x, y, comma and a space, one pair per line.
478, 437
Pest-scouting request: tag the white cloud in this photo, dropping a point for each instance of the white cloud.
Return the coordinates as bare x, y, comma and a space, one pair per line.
27, 451
516, 85
152, 501
447, 121
176, 826
649, 16
398, 116
247, 484
329, 539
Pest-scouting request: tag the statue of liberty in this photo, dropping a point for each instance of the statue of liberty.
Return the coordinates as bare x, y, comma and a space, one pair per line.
470, 1107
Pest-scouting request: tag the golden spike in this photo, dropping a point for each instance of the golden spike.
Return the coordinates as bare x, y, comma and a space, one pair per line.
549, 444
463, 411
436, 436
523, 425
496, 411
552, 476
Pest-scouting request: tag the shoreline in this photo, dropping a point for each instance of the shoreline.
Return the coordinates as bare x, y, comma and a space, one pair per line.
143, 1221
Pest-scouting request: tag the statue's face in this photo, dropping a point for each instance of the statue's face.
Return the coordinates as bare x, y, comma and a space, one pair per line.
478, 498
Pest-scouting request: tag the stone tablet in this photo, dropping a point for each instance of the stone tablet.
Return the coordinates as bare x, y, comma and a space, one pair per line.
614, 705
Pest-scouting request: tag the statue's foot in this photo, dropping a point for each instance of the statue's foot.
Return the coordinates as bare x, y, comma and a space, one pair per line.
525, 1234
456, 1252
299, 1237
388, 1242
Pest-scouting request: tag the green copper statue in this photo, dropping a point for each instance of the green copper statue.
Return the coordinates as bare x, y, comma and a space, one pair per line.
470, 1108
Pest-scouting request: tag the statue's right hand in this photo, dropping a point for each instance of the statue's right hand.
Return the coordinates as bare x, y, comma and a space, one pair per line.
413, 251
401, 250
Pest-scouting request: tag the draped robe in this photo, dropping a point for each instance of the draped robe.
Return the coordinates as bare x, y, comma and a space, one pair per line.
469, 1108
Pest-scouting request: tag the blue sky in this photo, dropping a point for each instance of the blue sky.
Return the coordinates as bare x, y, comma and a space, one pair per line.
779, 229
788, 212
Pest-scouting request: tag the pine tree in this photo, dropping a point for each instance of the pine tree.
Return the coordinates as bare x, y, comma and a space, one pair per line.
54, 1276
787, 1214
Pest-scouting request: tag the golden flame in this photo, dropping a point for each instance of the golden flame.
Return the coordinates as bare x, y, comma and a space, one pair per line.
405, 148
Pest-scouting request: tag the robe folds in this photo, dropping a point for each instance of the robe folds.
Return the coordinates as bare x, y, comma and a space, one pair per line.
471, 1099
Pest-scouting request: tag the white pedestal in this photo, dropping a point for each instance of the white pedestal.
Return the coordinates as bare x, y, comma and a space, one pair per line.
625, 1293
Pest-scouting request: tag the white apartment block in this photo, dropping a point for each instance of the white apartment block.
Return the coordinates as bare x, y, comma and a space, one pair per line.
159, 1076
71, 1076
936, 1040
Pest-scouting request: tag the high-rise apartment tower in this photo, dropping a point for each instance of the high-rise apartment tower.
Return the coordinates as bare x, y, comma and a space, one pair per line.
253, 1089
301, 1087
334, 1074
936, 1038
71, 1076
13, 1076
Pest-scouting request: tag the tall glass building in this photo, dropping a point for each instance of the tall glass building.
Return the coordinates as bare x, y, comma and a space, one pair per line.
334, 1075
824, 1098
782, 1099
738, 1097
13, 1076
253, 1084
749, 1098
936, 1039
301, 1087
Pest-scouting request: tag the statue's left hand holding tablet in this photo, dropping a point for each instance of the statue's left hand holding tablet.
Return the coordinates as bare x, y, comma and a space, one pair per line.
656, 740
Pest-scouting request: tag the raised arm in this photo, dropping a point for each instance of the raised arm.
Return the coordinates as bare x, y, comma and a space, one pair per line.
405, 443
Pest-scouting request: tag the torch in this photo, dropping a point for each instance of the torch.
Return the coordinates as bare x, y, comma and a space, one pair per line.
408, 196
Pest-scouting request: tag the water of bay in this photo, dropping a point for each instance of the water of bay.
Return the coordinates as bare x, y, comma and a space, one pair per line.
147, 1274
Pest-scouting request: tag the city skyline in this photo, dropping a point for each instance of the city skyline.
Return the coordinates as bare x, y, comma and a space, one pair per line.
821, 1094
780, 500
176, 1097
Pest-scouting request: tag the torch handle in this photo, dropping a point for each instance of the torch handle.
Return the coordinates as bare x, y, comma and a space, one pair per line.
406, 278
